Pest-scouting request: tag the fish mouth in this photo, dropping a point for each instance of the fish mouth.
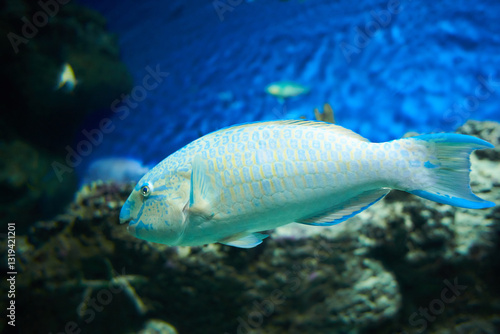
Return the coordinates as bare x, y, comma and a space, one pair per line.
131, 227
131, 224
126, 220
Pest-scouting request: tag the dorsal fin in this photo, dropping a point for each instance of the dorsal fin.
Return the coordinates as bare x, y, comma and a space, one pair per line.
314, 124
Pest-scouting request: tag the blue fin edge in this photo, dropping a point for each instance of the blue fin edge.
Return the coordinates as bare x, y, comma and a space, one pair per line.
455, 201
455, 138
343, 219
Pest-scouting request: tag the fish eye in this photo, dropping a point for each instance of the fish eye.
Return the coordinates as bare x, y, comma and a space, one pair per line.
145, 191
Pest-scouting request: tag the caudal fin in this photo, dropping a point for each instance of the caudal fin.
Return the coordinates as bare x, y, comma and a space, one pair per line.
445, 177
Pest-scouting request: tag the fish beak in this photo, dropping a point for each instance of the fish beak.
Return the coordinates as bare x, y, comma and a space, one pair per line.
125, 213
131, 224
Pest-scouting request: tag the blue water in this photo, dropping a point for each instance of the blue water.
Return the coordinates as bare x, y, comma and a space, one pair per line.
423, 67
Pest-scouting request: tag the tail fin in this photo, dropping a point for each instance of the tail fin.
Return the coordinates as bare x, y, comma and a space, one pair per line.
447, 170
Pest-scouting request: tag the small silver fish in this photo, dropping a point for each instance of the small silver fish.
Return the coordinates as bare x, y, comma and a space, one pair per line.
230, 185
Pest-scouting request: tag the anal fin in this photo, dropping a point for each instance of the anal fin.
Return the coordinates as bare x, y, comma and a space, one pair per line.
246, 241
342, 211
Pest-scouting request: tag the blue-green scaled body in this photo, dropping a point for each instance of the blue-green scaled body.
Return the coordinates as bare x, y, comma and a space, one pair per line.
231, 184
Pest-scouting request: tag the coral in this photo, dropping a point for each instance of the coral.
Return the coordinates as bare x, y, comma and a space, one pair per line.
488, 130
326, 115
155, 326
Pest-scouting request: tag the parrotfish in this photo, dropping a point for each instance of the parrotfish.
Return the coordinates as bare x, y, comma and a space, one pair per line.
231, 185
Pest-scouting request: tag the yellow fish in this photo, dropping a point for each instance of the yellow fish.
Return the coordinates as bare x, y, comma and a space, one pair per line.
67, 80
285, 89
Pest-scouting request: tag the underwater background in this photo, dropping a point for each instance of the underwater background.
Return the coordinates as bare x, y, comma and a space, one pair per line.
97, 92
386, 67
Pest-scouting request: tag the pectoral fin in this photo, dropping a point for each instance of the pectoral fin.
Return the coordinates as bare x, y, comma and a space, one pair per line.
202, 193
245, 241
345, 210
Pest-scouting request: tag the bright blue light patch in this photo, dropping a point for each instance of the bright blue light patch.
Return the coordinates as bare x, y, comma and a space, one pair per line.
238, 102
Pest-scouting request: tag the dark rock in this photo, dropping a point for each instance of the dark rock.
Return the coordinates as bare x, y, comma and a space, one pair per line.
29, 189
35, 109
38, 120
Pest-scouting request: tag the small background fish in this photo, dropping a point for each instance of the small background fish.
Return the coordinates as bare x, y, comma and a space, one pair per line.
67, 80
286, 89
